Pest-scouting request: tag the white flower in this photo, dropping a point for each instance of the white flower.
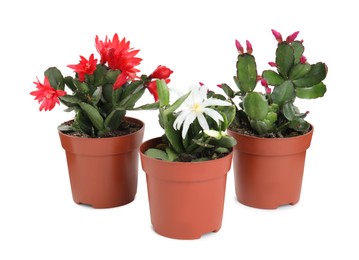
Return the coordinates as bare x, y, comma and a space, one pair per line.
195, 106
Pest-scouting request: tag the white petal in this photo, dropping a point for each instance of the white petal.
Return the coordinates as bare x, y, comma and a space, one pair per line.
215, 102
202, 121
180, 119
187, 122
214, 114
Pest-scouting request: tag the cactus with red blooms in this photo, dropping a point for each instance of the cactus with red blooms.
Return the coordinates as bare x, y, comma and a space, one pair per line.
102, 91
273, 113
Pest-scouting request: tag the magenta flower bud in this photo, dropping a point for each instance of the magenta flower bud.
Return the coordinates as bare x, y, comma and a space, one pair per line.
268, 91
264, 83
200, 83
219, 85
239, 47
277, 36
272, 64
292, 37
249, 47
303, 59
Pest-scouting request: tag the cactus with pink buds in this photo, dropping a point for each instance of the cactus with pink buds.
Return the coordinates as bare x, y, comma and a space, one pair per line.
273, 112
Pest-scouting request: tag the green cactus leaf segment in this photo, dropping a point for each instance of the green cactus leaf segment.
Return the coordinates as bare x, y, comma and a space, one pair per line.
93, 114
55, 78
284, 58
96, 96
157, 154
114, 119
289, 111
299, 124
283, 93
172, 156
229, 92
299, 71
272, 78
316, 74
315, 91
255, 105
246, 72
163, 93
298, 50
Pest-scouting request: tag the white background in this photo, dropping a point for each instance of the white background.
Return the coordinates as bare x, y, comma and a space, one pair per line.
38, 218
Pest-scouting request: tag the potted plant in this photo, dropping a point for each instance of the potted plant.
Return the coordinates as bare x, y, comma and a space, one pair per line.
101, 143
272, 134
186, 167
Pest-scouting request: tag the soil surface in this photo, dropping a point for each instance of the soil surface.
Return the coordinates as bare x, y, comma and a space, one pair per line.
245, 130
125, 128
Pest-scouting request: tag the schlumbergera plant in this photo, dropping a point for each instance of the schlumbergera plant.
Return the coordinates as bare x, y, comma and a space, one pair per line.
102, 92
273, 113
195, 125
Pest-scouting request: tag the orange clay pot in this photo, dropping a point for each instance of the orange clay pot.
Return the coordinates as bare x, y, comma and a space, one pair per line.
103, 171
186, 198
269, 171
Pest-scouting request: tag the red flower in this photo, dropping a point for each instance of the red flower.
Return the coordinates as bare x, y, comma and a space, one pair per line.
85, 67
47, 95
152, 88
118, 55
120, 81
161, 72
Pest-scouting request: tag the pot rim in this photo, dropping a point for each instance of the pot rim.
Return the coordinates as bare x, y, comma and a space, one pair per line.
180, 163
274, 138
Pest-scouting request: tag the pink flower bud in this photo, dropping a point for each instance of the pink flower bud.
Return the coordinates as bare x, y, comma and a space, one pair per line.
307, 112
303, 59
219, 85
292, 37
249, 47
277, 36
239, 47
200, 83
264, 83
272, 64
268, 91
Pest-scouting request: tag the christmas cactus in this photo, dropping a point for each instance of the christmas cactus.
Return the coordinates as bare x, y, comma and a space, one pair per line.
195, 125
101, 92
273, 113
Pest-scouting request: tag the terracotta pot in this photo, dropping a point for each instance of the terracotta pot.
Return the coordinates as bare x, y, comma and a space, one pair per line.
186, 198
269, 171
103, 171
